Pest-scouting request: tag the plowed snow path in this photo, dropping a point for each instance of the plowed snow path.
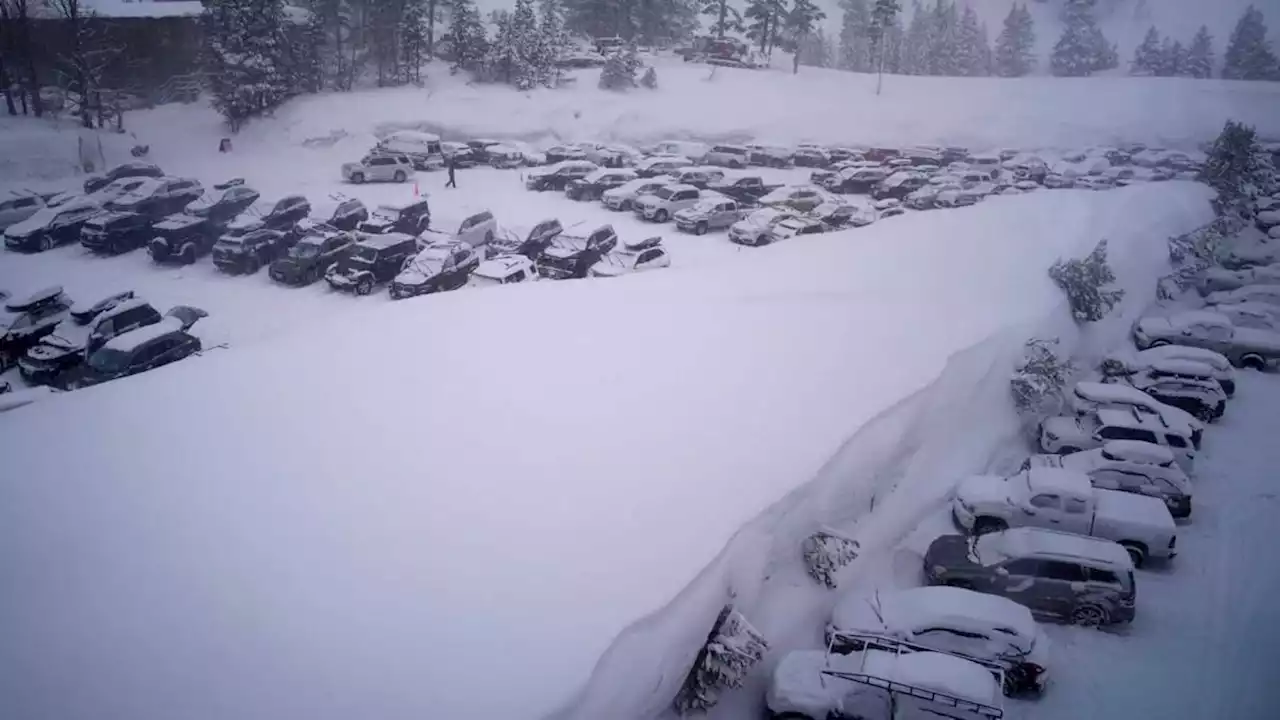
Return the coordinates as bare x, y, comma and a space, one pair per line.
1206, 643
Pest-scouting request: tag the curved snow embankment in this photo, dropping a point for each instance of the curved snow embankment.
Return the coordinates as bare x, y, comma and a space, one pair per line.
884, 481
452, 506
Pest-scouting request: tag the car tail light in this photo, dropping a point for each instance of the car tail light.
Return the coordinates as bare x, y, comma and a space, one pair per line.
1173, 541
1127, 601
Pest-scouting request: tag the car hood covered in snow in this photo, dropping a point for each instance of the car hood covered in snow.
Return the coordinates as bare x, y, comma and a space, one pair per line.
983, 490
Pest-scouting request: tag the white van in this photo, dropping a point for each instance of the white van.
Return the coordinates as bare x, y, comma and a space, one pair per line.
695, 151
421, 147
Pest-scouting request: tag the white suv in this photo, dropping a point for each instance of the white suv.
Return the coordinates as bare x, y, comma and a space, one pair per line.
1066, 435
379, 168
667, 201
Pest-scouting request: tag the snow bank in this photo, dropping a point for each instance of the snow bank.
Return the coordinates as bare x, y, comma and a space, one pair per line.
388, 514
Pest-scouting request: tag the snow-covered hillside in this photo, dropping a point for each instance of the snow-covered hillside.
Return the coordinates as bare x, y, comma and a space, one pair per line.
453, 506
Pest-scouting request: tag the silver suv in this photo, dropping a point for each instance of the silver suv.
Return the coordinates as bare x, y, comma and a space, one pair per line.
1072, 578
386, 167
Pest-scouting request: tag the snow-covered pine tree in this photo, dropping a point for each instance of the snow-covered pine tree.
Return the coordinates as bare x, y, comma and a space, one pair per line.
467, 38
1249, 55
1085, 283
942, 22
915, 42
1039, 379
799, 24
1146, 57
732, 649
650, 79
1172, 58
815, 50
413, 40
1014, 53
244, 57
502, 57
973, 54
725, 17
764, 19
825, 552
892, 53
552, 41
1106, 54
1082, 49
1233, 167
527, 56
1199, 61
619, 71
855, 39
883, 16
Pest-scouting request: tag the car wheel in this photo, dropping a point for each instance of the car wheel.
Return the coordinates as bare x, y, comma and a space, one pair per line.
660, 216
1158, 343
400, 176
1253, 362
1206, 414
46, 243
364, 287
1068, 450
251, 265
1089, 615
1016, 681
958, 583
700, 229
188, 255
1137, 553
984, 525
357, 178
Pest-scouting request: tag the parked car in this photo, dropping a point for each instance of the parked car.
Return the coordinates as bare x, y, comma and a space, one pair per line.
808, 156
158, 197
880, 684
183, 238
571, 256
539, 238
226, 202
755, 228
623, 197
127, 170
855, 180
1057, 181
384, 167
422, 148
557, 154
18, 208
435, 269
1268, 294
797, 197
462, 154
26, 321
984, 628
312, 255
710, 213
694, 151
746, 189
287, 213
1252, 315
116, 232
769, 156
730, 156
505, 156
1128, 466
1064, 576
593, 185
899, 185
373, 260
144, 348
80, 335
559, 175
888, 208
1065, 435
244, 252
343, 214
666, 201
503, 270
803, 224
699, 176
411, 218
50, 227
662, 165
1183, 384
478, 231
1127, 363
1086, 397
1244, 347
647, 254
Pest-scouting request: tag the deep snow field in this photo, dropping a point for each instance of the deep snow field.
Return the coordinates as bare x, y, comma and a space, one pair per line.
531, 501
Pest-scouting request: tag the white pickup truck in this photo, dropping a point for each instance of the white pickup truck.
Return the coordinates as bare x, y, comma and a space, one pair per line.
1066, 500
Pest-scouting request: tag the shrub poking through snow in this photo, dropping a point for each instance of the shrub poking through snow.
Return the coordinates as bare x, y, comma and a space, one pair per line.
825, 552
619, 71
1194, 252
1085, 283
732, 649
1039, 379
650, 79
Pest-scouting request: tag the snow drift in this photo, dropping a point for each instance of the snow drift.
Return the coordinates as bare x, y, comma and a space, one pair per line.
452, 506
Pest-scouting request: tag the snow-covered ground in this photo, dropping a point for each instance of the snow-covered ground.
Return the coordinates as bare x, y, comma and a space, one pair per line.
400, 506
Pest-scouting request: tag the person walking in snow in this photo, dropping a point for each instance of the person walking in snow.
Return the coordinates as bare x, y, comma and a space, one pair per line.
451, 165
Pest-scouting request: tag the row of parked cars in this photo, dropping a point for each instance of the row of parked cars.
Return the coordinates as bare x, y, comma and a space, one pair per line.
1061, 539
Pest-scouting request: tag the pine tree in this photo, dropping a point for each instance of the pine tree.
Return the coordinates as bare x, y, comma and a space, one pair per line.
650, 79
892, 52
1233, 167
466, 36
915, 43
1172, 58
815, 50
764, 22
1014, 54
973, 53
800, 23
619, 71
1249, 55
944, 39
727, 17
552, 41
1085, 282
1082, 49
413, 40
245, 58
1199, 61
855, 40
1146, 58
883, 16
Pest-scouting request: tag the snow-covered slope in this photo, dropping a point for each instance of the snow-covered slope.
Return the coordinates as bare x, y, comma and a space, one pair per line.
450, 507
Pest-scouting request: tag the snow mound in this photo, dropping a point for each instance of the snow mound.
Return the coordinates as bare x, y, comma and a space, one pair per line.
377, 515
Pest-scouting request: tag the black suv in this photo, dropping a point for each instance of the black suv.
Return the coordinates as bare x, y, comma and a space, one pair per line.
27, 321
538, 240
237, 252
116, 232
593, 186
347, 215
80, 335
119, 172
374, 260
158, 198
572, 257
287, 213
50, 227
183, 238
228, 200
138, 350
409, 218
437, 268
312, 255
746, 189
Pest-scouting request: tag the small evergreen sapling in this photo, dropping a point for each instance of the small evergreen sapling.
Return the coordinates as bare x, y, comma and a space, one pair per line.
825, 552
650, 79
1085, 283
732, 649
1038, 380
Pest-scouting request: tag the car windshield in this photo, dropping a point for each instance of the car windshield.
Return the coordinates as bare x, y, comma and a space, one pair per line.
230, 241
664, 192
366, 255
304, 250
109, 360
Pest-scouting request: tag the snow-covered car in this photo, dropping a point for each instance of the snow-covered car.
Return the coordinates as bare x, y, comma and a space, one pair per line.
114, 233
1059, 575
139, 350
1062, 499
888, 208
80, 335
798, 197
311, 256
711, 213
802, 224
1268, 293
462, 154
245, 252
594, 185
662, 165
810, 156
1244, 347
572, 256
503, 270
182, 238
559, 175
1128, 466
374, 259
988, 629
383, 167
127, 170
743, 188
226, 201
1183, 384
694, 151
769, 155
754, 228
50, 226
1087, 396
1067, 434
337, 211
1127, 363
158, 197
899, 185
531, 245
699, 176
647, 254
19, 208
435, 269
115, 189
410, 217
1094, 182
478, 231
623, 197
856, 180
1056, 181
666, 201
422, 148
1267, 219
730, 156
1252, 315
505, 156
881, 684
573, 152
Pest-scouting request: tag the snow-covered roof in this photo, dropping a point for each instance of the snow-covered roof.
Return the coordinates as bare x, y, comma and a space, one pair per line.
384, 240
1137, 451
502, 266
949, 674
1134, 508
1129, 418
1198, 317
1261, 290
1025, 541
663, 159
907, 611
1182, 366
1214, 359
1059, 481
132, 339
1112, 393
